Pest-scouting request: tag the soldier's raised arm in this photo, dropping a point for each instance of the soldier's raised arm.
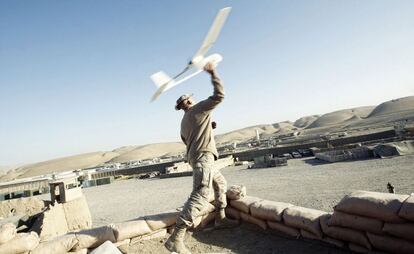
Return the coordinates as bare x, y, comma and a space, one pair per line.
218, 95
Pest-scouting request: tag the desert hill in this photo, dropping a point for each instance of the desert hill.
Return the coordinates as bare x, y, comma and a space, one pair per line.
305, 121
94, 159
340, 116
387, 112
394, 106
147, 151
3, 170
60, 164
247, 133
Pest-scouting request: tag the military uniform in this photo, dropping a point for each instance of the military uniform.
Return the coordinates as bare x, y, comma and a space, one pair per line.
197, 135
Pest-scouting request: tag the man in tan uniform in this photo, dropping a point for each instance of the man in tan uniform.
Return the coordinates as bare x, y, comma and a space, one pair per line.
196, 133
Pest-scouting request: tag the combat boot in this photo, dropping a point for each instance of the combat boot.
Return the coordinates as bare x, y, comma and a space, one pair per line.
223, 222
176, 242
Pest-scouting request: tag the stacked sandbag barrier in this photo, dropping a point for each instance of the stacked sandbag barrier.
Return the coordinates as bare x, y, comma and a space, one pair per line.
121, 234
384, 221
362, 221
12, 242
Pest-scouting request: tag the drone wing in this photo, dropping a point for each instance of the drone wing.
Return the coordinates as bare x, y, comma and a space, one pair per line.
214, 31
160, 78
163, 87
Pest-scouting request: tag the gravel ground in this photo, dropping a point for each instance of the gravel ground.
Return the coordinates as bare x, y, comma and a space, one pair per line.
304, 182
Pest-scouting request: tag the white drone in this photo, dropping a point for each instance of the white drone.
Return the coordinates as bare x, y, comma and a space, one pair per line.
164, 82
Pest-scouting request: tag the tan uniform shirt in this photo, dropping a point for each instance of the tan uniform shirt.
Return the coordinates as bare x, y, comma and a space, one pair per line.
196, 130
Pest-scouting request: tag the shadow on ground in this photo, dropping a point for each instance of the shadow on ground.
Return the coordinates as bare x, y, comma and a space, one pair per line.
315, 162
248, 238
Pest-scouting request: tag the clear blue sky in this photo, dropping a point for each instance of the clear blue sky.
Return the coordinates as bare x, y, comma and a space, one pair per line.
74, 75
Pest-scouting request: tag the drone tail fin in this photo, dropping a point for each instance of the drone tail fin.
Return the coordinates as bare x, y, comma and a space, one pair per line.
160, 78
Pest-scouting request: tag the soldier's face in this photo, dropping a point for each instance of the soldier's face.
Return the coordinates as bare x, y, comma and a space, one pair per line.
188, 103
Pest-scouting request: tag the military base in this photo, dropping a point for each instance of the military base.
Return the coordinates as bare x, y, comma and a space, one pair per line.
313, 183
298, 139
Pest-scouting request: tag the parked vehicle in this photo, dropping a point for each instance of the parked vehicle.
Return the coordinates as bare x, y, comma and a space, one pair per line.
296, 155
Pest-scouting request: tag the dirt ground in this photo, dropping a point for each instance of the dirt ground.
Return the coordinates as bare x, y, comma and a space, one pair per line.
243, 239
305, 182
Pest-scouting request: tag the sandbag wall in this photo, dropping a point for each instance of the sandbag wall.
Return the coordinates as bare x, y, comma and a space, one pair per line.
28, 205
12, 242
362, 221
122, 234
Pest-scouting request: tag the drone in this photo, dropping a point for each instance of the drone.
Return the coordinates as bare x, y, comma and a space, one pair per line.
163, 82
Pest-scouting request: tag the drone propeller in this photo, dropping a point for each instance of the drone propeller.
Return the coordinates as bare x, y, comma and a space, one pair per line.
182, 72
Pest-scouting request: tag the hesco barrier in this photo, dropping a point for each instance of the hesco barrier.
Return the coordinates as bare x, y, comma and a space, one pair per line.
356, 153
184, 169
251, 154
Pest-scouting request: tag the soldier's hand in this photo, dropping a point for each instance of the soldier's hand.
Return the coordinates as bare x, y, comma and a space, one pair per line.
210, 68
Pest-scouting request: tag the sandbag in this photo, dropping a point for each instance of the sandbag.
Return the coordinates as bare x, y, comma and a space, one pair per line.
357, 248
269, 210
356, 222
332, 241
309, 235
21, 243
153, 235
248, 218
91, 238
344, 234
303, 218
382, 206
61, 244
243, 204
82, 251
236, 192
130, 229
106, 248
123, 246
391, 244
404, 230
232, 213
7, 232
284, 229
162, 220
127, 241
407, 209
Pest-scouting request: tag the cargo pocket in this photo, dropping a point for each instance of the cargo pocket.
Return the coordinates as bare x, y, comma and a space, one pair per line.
203, 178
206, 177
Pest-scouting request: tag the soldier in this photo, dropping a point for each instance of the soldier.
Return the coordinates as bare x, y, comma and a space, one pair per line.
196, 133
391, 189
